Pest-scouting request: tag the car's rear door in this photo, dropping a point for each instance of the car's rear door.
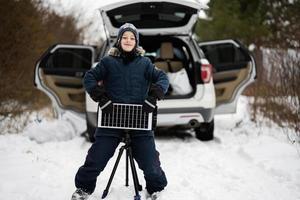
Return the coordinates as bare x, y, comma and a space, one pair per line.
59, 73
152, 17
233, 69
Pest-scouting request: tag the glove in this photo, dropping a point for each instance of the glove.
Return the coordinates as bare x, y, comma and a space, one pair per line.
149, 104
156, 91
98, 94
106, 104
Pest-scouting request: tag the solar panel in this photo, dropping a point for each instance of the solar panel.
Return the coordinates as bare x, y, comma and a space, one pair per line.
125, 116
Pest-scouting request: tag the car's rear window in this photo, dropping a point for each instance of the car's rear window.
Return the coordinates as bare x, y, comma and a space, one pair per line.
152, 15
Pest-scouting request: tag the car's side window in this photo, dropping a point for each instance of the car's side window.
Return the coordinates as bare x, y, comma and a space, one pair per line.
73, 58
222, 55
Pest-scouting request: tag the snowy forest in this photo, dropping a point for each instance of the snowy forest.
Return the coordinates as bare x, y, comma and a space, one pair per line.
255, 153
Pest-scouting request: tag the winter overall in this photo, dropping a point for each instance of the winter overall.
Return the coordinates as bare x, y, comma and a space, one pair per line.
126, 80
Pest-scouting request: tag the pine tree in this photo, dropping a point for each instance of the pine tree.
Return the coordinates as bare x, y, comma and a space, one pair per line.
262, 22
282, 18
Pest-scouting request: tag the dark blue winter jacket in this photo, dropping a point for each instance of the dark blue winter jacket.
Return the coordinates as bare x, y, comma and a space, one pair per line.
125, 82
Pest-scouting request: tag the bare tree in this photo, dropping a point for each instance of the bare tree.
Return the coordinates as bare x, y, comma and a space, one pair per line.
28, 29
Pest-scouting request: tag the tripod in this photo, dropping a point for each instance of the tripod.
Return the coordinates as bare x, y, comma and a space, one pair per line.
129, 157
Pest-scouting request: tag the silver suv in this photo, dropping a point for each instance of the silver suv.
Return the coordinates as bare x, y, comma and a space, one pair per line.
216, 72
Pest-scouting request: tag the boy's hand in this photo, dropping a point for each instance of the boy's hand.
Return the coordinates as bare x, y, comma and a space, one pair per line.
98, 94
156, 91
106, 104
149, 104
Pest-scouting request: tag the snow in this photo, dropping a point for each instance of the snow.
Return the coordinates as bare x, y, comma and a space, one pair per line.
245, 161
69, 126
252, 47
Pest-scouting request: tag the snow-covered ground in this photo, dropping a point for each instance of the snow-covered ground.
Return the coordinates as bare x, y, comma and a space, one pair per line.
245, 161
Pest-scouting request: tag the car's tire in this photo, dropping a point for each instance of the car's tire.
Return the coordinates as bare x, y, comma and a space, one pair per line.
90, 132
205, 132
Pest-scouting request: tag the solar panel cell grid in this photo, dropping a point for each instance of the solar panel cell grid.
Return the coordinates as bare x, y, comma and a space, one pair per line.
126, 116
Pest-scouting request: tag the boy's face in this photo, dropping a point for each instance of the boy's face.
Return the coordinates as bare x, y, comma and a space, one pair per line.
128, 41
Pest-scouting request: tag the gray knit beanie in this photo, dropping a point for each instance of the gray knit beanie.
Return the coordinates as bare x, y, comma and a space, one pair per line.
128, 27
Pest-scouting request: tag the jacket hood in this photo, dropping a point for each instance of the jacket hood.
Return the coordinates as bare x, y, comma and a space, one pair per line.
114, 51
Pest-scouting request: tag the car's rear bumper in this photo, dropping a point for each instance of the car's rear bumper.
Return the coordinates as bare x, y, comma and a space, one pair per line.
184, 116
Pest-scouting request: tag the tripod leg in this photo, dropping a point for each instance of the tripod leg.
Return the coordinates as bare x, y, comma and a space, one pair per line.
105, 192
134, 175
140, 188
127, 157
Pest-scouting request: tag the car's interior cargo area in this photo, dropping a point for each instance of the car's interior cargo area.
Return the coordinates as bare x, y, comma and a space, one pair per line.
173, 56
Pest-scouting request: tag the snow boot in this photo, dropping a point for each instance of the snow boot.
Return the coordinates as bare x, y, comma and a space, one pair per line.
154, 196
80, 194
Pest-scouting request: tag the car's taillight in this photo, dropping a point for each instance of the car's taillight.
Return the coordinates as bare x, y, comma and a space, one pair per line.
206, 72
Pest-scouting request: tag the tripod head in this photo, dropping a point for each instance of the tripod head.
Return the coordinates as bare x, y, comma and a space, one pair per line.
126, 137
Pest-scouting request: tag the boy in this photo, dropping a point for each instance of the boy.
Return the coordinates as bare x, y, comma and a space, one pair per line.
124, 76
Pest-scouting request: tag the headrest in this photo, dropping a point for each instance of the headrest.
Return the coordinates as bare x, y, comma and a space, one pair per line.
166, 50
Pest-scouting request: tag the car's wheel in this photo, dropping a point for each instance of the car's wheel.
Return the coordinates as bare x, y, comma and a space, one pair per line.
90, 132
205, 131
